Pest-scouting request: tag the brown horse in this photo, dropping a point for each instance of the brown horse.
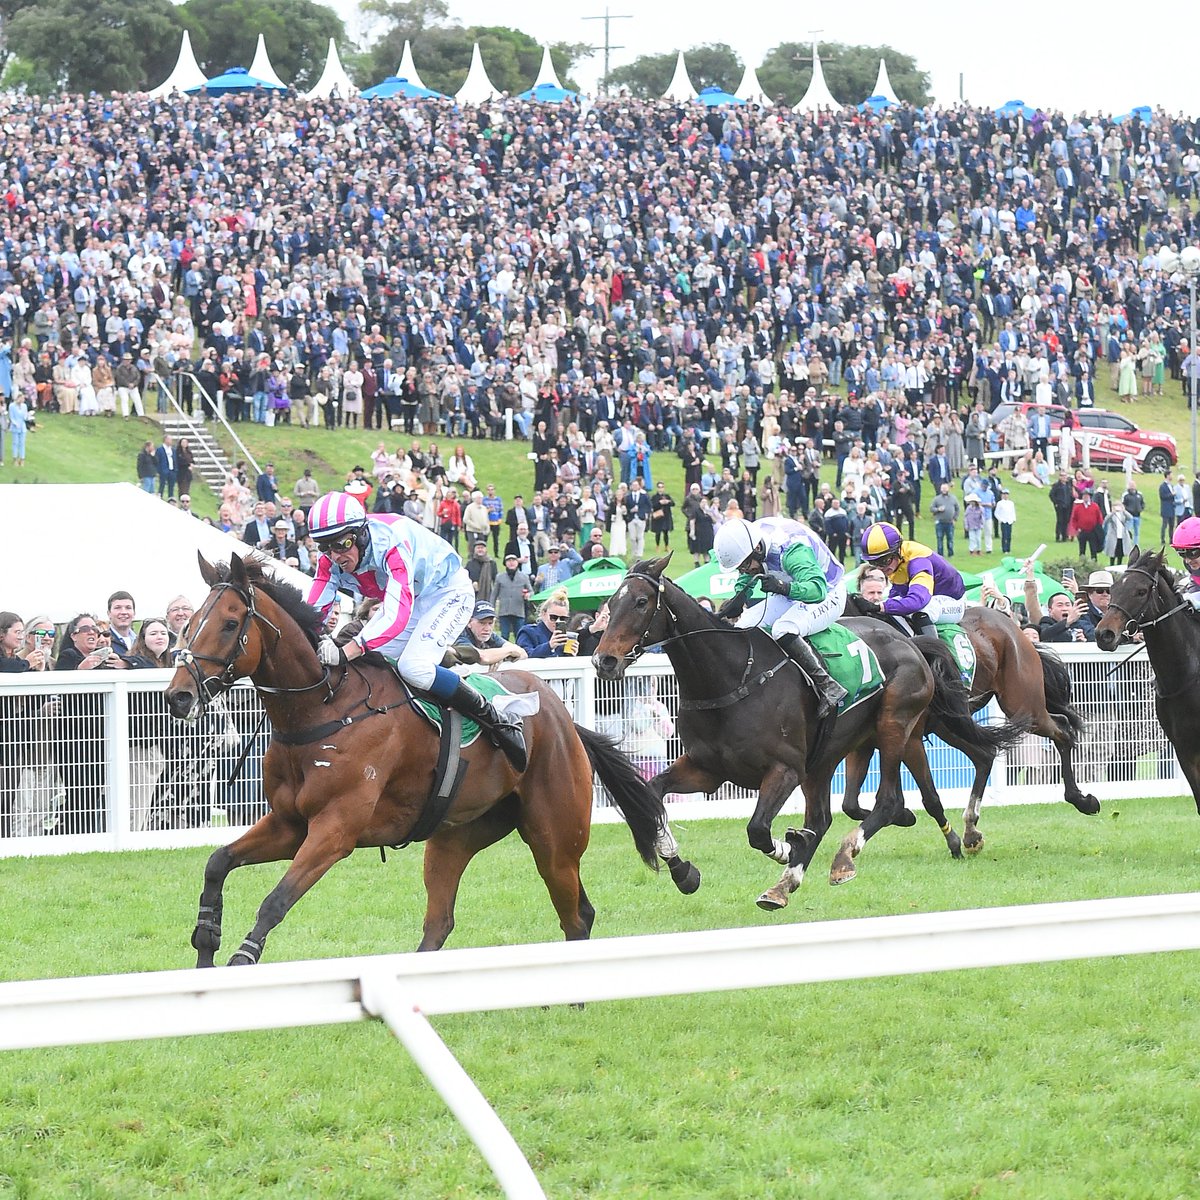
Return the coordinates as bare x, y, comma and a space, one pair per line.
351, 764
1144, 600
1032, 688
746, 717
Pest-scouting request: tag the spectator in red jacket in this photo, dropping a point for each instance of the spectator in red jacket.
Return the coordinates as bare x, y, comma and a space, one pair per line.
449, 515
1086, 524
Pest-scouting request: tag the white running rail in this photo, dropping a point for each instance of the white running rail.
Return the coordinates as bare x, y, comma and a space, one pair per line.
404, 989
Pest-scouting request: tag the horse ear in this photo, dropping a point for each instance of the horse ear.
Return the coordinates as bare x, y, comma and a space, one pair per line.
237, 570
1134, 554
658, 565
207, 571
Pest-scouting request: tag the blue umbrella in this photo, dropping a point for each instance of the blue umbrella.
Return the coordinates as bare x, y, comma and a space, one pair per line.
236, 79
876, 104
397, 85
1014, 107
547, 93
713, 97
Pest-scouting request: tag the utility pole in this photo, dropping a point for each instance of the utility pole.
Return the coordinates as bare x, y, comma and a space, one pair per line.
608, 47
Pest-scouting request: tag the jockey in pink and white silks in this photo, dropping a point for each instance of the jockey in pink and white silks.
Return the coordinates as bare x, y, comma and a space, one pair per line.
804, 584
426, 600
1186, 541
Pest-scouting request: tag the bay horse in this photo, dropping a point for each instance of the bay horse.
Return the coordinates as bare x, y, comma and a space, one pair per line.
351, 764
1144, 600
1033, 689
746, 717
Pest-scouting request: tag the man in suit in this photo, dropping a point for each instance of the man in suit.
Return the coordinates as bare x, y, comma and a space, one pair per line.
517, 515
164, 459
523, 546
283, 548
939, 468
258, 532
265, 486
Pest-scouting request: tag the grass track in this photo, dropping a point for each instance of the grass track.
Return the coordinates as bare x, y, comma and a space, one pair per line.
1066, 1080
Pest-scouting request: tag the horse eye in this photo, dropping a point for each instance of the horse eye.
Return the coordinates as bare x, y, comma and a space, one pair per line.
642, 602
230, 625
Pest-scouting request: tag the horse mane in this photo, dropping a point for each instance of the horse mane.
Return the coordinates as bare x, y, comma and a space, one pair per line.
283, 593
1154, 561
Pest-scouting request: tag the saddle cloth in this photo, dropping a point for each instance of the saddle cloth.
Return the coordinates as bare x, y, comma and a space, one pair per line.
850, 661
519, 704
955, 637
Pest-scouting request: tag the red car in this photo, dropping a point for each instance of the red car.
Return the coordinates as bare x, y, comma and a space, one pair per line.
1111, 436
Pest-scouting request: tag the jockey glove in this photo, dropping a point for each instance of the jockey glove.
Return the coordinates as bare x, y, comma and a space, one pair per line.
868, 607
330, 653
732, 608
777, 584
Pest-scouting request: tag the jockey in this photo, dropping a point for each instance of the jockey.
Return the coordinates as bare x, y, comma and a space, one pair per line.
805, 590
925, 588
1187, 542
427, 601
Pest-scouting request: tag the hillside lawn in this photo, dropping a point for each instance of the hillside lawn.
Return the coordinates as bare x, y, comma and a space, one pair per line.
71, 449
1050, 1082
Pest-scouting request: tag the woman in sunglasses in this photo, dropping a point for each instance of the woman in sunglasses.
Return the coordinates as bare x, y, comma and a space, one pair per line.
427, 599
15, 652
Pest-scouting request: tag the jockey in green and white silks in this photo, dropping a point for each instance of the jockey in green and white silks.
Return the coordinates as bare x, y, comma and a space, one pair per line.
804, 584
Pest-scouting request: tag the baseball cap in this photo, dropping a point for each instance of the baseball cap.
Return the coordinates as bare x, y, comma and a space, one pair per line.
483, 611
512, 556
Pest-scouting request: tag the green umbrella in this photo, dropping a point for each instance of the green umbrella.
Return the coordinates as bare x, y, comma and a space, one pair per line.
1009, 578
710, 580
589, 588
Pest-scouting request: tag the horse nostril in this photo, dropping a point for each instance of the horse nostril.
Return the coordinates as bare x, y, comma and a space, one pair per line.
606, 664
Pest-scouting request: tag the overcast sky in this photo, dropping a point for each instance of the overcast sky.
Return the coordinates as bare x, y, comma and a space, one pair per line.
1091, 56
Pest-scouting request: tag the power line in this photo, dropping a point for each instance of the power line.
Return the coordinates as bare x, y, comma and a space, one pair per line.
608, 46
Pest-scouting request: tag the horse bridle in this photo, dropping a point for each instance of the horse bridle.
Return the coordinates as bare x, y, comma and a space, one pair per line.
209, 687
1134, 623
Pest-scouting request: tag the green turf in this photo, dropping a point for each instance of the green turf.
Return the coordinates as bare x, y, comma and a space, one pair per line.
1064, 1080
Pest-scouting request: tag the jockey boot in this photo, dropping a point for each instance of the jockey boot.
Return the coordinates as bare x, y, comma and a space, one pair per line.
503, 732
922, 624
830, 693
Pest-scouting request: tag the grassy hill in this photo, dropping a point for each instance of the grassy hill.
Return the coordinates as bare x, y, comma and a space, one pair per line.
71, 449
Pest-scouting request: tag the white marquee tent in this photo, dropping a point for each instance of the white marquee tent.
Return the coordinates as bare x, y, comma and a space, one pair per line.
408, 68
680, 88
186, 73
88, 540
818, 94
883, 85
547, 75
261, 67
750, 89
478, 88
333, 78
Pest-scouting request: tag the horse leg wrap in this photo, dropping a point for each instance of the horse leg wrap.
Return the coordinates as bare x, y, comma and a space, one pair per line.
249, 952
781, 852
665, 844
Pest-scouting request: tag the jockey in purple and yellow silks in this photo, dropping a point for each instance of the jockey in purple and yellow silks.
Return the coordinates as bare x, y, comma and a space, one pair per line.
426, 600
925, 588
1187, 542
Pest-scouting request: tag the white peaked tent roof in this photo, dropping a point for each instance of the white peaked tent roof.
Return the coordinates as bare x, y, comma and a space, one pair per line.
261, 67
135, 543
818, 94
680, 87
408, 68
750, 89
333, 78
186, 73
883, 85
547, 73
478, 87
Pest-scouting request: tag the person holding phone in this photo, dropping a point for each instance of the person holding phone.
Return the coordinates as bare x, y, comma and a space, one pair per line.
547, 637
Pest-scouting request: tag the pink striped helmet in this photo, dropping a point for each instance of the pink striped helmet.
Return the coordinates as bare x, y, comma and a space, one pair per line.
334, 514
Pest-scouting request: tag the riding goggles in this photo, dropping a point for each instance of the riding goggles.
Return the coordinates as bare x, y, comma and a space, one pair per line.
1190, 552
333, 545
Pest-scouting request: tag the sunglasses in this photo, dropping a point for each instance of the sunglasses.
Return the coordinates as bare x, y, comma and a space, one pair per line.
44, 634
1194, 552
86, 629
333, 545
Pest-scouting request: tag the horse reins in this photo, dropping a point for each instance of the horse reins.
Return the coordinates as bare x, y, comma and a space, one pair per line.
1135, 624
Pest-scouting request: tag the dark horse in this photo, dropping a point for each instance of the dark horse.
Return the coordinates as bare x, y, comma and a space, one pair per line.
1144, 600
1033, 689
746, 717
351, 764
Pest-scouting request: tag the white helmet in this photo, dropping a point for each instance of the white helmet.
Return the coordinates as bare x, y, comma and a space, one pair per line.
735, 542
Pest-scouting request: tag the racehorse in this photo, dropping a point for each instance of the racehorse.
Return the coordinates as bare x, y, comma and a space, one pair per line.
745, 717
1032, 688
1144, 600
352, 762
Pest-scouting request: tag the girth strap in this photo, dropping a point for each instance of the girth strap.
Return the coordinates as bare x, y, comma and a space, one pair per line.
447, 779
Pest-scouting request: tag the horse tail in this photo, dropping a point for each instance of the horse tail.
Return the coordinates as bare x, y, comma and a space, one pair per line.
951, 707
1056, 681
643, 811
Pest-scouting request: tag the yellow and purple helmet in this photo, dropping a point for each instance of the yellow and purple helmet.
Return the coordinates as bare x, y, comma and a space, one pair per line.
881, 541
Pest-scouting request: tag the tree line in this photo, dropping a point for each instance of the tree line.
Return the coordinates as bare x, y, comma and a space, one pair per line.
106, 46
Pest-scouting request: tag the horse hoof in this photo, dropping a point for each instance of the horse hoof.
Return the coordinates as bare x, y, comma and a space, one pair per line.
842, 871
1088, 805
905, 818
773, 899
241, 959
955, 845
686, 878
855, 813
973, 848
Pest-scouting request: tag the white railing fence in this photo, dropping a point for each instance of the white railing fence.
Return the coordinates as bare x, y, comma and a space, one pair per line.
405, 989
93, 761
